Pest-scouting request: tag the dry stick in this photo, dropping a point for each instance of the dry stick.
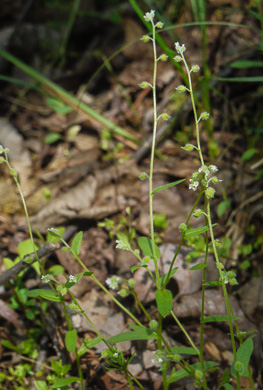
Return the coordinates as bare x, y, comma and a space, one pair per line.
44, 251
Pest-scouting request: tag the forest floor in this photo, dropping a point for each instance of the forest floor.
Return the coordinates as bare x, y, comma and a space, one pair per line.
77, 172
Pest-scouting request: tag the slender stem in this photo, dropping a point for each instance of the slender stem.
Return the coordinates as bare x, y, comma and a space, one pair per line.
202, 325
194, 109
152, 156
69, 325
185, 333
228, 306
104, 288
181, 242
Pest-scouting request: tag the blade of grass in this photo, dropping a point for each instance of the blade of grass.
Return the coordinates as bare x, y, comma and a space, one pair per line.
56, 91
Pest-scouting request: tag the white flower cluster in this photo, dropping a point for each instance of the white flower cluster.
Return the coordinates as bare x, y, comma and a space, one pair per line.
72, 279
149, 16
180, 49
122, 245
202, 176
114, 281
46, 278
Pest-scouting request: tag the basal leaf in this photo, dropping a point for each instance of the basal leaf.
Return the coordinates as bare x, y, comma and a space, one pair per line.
175, 183
46, 294
164, 300
146, 246
64, 381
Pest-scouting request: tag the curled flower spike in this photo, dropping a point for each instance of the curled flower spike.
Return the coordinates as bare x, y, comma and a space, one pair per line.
180, 49
113, 282
149, 16
181, 89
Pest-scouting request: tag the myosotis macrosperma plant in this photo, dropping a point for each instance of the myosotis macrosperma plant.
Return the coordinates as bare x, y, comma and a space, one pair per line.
165, 356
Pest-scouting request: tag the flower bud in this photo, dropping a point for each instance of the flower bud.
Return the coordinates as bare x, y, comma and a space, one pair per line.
188, 147
144, 85
159, 25
143, 176
210, 192
183, 227
204, 116
195, 68
145, 38
178, 58
181, 88
163, 57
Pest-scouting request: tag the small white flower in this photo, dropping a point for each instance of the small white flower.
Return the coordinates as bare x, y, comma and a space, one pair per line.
180, 49
149, 16
46, 278
115, 355
72, 279
157, 360
204, 169
213, 168
122, 245
113, 282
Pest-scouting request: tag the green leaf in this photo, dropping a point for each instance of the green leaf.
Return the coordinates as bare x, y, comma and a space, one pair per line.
146, 246
218, 318
46, 294
163, 278
196, 231
139, 333
40, 385
76, 243
58, 106
225, 378
175, 183
52, 138
256, 79
227, 386
176, 375
184, 350
26, 248
88, 344
64, 381
56, 270
212, 284
241, 64
248, 154
223, 207
198, 266
244, 353
71, 340
52, 238
164, 300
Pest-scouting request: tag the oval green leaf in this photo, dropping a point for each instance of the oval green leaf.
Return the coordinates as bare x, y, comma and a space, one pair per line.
146, 246
71, 340
64, 381
164, 300
76, 243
